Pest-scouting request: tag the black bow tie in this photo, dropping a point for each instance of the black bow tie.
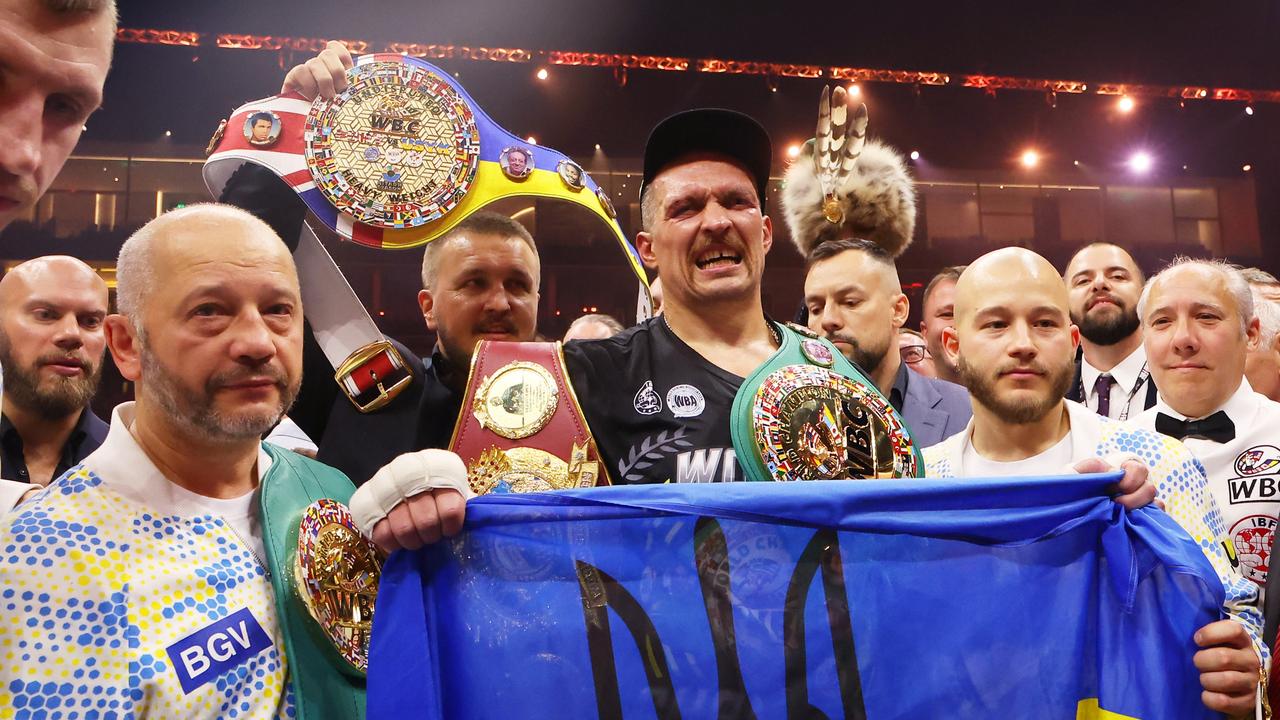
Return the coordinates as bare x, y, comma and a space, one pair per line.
1217, 427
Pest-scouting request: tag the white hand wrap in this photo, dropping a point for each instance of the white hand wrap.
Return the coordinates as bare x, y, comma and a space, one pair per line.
408, 475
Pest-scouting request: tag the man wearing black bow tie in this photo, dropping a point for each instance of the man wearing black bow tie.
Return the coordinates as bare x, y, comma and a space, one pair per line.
1199, 325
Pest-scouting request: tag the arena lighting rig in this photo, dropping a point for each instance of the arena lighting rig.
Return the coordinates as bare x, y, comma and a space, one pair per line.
621, 63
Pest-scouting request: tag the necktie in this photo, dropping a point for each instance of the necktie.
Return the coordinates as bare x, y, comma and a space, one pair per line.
1217, 427
1102, 388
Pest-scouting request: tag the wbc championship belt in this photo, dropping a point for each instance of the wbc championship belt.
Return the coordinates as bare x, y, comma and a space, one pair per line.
809, 414
394, 161
521, 428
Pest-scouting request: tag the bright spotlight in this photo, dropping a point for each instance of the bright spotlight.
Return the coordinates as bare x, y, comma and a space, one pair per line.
854, 91
1125, 104
1076, 163
531, 140
915, 154
597, 146
168, 133
1247, 168
542, 73
1140, 162
1030, 158
1248, 109
793, 150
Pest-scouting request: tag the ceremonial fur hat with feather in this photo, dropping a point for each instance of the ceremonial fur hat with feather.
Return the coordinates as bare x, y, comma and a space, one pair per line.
845, 186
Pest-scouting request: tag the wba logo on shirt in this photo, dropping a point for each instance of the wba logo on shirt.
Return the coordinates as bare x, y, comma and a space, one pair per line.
1252, 527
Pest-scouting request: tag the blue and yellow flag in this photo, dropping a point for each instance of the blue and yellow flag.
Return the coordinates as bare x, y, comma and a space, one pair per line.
1024, 598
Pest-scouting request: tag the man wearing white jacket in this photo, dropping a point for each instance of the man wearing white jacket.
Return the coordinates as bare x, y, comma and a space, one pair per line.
1014, 345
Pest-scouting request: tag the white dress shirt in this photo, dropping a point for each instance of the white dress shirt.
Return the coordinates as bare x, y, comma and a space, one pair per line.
1128, 394
1244, 474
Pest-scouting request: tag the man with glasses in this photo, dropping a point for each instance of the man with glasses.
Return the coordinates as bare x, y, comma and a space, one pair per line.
915, 352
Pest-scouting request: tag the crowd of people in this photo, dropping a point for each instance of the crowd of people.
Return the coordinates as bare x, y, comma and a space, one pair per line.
1018, 369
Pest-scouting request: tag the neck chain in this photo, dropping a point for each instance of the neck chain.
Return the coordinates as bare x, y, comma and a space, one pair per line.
774, 335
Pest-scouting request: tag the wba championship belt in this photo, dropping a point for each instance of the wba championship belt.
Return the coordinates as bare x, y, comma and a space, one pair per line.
809, 414
396, 160
521, 428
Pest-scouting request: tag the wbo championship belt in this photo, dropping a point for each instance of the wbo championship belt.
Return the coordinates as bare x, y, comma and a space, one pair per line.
809, 414
521, 428
394, 161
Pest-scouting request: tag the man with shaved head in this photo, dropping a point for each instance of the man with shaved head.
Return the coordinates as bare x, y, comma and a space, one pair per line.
1013, 343
51, 346
175, 526
1112, 377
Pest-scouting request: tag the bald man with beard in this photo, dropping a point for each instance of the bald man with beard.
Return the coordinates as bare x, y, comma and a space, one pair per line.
1013, 343
51, 348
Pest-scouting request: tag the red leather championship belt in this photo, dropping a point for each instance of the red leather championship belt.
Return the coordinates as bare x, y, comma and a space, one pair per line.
521, 428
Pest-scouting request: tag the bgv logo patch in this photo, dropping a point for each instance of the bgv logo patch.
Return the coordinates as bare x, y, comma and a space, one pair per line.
206, 654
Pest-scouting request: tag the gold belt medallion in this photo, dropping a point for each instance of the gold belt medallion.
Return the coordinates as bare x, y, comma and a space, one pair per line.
516, 401
336, 572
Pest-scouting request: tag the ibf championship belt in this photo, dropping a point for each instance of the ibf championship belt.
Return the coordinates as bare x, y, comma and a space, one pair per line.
809, 414
521, 428
394, 161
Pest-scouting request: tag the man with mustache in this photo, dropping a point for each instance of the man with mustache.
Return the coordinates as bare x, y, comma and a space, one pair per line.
1013, 343
155, 549
54, 56
1112, 377
51, 346
855, 299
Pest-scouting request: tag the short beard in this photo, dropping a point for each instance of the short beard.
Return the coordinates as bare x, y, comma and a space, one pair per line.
868, 359
1108, 330
981, 386
194, 411
67, 396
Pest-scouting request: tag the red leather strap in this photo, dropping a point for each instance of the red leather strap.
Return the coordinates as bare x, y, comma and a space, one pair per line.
566, 427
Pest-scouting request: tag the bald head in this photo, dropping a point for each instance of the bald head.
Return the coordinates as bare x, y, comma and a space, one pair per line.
51, 338
47, 273
190, 237
1013, 342
212, 326
1004, 272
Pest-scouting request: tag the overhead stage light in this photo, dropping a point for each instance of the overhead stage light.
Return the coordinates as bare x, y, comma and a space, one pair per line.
1030, 158
915, 154
1140, 162
542, 73
1125, 104
793, 150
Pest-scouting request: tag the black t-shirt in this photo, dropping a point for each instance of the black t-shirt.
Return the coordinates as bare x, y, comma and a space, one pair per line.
658, 410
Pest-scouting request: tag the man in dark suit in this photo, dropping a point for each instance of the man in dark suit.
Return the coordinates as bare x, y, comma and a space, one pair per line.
855, 299
51, 347
1111, 377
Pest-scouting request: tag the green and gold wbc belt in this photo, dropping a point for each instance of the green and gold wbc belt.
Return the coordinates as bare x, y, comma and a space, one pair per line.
808, 414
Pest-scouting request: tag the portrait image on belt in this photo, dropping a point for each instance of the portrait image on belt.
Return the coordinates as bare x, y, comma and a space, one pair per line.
516, 162
262, 129
571, 173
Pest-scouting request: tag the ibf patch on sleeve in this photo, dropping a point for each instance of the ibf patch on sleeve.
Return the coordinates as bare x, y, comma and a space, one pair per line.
214, 649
